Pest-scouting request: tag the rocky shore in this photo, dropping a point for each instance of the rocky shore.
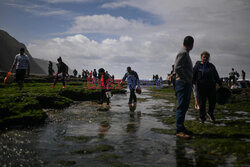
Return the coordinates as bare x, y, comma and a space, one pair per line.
26, 107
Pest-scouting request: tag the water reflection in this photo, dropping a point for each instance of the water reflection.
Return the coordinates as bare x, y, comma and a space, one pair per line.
103, 129
134, 119
182, 158
132, 107
186, 156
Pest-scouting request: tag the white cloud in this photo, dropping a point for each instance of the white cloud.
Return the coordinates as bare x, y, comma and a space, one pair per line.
113, 54
39, 10
67, 1
218, 26
114, 5
105, 24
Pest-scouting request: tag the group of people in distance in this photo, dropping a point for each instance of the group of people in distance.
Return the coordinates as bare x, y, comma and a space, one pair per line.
203, 76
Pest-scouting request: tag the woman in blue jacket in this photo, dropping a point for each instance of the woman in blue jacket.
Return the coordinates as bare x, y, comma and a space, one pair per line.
205, 78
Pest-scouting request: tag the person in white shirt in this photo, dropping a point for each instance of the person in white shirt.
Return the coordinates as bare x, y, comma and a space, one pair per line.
22, 64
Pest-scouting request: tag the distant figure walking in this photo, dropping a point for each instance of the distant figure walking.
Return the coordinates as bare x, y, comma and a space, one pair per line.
232, 75
183, 86
50, 69
22, 64
205, 79
243, 73
95, 73
172, 76
75, 72
132, 82
61, 72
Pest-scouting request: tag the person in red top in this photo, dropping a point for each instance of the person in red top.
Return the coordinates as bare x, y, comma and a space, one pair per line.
105, 92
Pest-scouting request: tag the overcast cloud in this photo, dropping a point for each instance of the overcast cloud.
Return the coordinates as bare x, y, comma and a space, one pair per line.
218, 26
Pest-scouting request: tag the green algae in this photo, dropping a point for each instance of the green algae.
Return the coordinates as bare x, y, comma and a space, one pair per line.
79, 139
39, 96
141, 100
66, 162
95, 149
53, 101
163, 131
30, 117
107, 157
111, 159
213, 143
118, 164
168, 120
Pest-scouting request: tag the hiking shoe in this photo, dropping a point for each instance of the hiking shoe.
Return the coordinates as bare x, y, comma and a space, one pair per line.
211, 117
52, 86
188, 132
63, 87
183, 135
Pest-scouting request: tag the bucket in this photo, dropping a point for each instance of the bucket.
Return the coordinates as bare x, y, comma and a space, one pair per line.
138, 90
7, 78
223, 95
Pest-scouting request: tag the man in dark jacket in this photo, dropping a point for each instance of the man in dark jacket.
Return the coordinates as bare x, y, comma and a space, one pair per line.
205, 78
61, 72
132, 81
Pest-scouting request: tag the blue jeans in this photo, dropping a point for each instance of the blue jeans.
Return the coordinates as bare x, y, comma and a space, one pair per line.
183, 92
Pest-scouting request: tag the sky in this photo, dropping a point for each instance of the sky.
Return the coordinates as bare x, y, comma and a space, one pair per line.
143, 34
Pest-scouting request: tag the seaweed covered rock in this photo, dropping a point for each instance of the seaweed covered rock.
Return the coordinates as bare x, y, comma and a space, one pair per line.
53, 101
85, 94
20, 110
26, 107
80, 94
27, 118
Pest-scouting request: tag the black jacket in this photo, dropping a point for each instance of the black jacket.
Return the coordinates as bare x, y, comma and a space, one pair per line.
62, 68
209, 78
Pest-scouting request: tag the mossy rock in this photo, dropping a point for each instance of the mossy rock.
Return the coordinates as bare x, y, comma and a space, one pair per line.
31, 117
53, 101
14, 105
80, 94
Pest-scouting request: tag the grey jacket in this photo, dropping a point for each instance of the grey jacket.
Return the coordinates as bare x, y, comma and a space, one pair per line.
183, 66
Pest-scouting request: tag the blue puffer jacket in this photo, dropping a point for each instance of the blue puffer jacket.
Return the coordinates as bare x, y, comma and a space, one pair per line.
132, 79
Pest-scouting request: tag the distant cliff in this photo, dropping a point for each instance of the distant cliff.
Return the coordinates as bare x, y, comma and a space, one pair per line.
9, 48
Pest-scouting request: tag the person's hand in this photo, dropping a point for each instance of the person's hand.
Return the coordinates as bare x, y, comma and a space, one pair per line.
11, 69
196, 105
